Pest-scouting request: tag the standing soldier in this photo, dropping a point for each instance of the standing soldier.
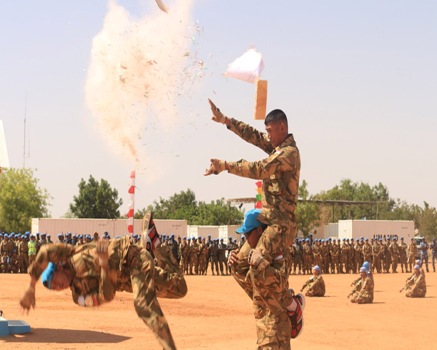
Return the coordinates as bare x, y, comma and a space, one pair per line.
23, 250
344, 254
424, 253
317, 253
214, 257
208, 255
357, 255
174, 247
351, 256
229, 247
433, 247
203, 252
32, 248
394, 252
297, 256
335, 257
412, 253
403, 255
43, 239
367, 251
222, 256
194, 257
325, 256
307, 257
185, 250
387, 255
376, 252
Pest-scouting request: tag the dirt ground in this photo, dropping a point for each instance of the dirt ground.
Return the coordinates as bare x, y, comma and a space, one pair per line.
216, 314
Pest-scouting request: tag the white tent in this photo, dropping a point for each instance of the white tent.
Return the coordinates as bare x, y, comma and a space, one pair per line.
4, 160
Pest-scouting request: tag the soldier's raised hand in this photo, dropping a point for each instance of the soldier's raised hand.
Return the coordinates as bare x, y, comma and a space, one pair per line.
217, 115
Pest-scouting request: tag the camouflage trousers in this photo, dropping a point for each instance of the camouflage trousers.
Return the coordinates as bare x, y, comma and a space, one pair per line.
268, 289
149, 282
416, 293
359, 298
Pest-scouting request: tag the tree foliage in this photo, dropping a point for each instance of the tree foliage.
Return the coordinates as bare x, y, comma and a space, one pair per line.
21, 199
307, 213
96, 200
183, 206
382, 207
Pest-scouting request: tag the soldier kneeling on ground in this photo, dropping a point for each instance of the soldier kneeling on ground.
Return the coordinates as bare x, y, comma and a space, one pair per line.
416, 285
315, 284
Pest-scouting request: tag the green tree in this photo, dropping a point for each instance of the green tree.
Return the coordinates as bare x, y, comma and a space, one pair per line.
21, 199
307, 213
96, 200
428, 222
217, 213
184, 206
362, 192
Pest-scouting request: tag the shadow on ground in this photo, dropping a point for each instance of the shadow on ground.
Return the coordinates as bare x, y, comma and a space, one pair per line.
65, 336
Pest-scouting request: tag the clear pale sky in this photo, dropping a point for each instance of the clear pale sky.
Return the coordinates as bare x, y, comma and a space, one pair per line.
357, 80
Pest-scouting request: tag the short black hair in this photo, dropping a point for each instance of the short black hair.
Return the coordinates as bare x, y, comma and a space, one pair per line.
275, 116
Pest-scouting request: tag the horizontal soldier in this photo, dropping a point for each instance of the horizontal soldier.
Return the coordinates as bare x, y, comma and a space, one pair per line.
95, 271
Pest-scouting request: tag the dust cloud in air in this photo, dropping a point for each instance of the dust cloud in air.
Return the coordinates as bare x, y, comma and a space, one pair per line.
138, 67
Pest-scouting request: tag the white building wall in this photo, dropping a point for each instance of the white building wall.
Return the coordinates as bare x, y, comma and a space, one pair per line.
375, 229
118, 227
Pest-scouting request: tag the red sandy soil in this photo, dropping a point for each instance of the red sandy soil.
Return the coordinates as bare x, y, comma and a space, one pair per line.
217, 314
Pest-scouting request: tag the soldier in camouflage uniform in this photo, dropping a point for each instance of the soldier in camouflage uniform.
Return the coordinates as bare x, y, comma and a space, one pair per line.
344, 254
272, 309
363, 290
203, 252
194, 257
325, 256
183, 252
387, 255
377, 252
317, 253
335, 257
351, 256
316, 284
394, 253
95, 271
214, 257
412, 253
403, 255
222, 256
297, 256
23, 254
279, 173
367, 251
307, 256
416, 285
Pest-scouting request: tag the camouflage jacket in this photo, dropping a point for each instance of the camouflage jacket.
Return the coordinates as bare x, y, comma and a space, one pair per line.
90, 287
279, 172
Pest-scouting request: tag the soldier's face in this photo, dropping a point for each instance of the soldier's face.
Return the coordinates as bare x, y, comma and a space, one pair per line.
277, 132
252, 237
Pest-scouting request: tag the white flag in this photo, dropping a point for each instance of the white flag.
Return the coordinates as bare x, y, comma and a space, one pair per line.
247, 67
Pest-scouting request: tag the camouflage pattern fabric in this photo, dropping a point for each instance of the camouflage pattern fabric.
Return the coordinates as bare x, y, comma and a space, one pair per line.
316, 286
131, 269
270, 298
280, 174
365, 294
418, 287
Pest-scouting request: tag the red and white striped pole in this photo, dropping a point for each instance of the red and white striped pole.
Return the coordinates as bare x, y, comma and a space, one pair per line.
130, 213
